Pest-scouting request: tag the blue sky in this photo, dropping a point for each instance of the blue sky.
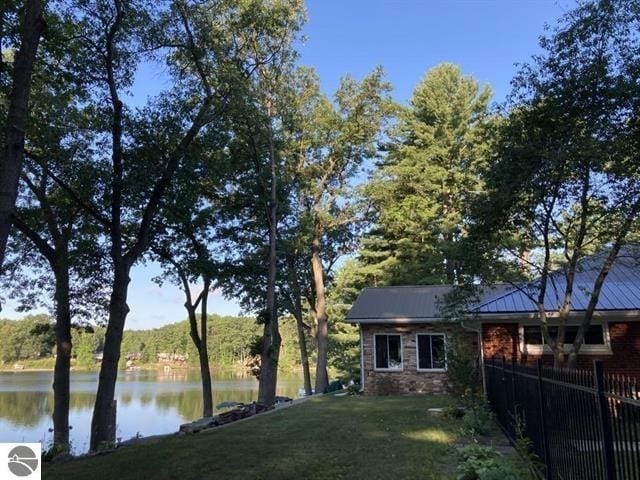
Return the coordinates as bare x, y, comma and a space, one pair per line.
407, 37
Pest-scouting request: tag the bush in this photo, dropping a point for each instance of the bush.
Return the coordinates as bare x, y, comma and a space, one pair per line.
334, 386
477, 420
484, 463
454, 412
463, 374
354, 389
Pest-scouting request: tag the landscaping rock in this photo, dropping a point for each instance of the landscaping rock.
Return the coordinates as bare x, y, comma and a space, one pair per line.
436, 412
201, 424
239, 413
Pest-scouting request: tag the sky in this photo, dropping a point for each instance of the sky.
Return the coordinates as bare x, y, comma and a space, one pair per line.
487, 38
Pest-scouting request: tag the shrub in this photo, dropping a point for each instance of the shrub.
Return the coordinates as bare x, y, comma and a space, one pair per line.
477, 420
454, 412
463, 377
484, 463
354, 389
524, 447
334, 386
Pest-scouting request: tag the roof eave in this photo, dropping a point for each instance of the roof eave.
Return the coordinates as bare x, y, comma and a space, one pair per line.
403, 320
492, 316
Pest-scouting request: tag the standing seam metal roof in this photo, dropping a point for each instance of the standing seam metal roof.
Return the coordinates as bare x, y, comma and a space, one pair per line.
620, 291
411, 303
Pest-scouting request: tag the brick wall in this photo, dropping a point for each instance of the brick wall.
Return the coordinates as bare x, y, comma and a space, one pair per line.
409, 380
501, 339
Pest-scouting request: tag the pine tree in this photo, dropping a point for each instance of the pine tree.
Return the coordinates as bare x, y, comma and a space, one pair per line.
424, 184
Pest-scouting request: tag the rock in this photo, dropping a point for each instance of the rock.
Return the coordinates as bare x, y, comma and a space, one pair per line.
229, 405
229, 416
436, 412
283, 399
201, 424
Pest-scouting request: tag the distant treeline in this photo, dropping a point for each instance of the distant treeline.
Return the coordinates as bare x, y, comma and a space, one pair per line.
231, 343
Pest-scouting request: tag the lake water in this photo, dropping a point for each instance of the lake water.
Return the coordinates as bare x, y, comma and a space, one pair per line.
149, 402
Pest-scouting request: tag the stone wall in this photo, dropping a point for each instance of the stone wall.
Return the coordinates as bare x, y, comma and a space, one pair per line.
408, 380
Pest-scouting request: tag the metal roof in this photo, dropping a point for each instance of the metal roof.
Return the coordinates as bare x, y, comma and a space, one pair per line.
620, 290
420, 304
406, 304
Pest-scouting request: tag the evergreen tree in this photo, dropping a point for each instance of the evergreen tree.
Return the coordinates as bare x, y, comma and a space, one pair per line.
424, 185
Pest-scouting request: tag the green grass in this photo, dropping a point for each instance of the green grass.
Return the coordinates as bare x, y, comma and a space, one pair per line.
324, 438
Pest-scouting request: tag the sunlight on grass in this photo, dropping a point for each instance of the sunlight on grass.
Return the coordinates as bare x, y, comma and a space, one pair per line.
322, 438
431, 435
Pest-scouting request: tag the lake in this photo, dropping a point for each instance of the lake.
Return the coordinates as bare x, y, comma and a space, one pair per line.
149, 402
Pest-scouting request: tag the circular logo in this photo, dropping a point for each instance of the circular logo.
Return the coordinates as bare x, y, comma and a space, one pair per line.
22, 461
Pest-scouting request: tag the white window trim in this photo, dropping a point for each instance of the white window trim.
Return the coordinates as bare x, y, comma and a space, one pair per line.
401, 368
418, 353
545, 349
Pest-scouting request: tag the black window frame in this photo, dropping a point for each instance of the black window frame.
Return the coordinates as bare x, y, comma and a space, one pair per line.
570, 334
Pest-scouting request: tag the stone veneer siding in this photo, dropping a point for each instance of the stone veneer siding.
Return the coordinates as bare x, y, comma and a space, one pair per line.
408, 380
501, 339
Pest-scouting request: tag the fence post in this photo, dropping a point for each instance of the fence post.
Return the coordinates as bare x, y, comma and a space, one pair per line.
605, 422
546, 457
513, 386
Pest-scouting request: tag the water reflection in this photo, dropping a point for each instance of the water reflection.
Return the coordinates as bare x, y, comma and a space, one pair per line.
149, 402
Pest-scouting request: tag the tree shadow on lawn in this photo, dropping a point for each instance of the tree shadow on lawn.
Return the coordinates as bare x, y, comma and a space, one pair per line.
322, 438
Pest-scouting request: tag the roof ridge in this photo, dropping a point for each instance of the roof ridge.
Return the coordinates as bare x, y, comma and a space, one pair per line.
412, 286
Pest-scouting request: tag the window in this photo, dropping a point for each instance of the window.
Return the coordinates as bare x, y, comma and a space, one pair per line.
432, 353
388, 352
593, 336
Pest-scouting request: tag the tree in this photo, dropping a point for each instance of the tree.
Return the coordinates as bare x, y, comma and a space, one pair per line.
15, 118
84, 347
330, 142
294, 292
423, 186
50, 222
258, 200
184, 245
564, 180
199, 43
29, 338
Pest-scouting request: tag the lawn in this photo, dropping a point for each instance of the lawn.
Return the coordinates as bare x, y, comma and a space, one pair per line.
323, 438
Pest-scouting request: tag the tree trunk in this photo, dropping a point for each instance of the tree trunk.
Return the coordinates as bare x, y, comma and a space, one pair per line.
559, 356
205, 372
304, 355
200, 342
572, 361
101, 427
16, 122
63, 361
322, 319
450, 268
597, 287
271, 339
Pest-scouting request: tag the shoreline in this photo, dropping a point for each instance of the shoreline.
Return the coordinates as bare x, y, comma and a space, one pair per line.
145, 367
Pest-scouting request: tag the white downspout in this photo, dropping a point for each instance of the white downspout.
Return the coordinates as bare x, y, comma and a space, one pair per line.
362, 372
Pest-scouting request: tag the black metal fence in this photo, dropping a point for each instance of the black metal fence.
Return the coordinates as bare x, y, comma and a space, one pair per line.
582, 424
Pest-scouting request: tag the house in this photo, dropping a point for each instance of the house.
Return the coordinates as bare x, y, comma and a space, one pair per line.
405, 334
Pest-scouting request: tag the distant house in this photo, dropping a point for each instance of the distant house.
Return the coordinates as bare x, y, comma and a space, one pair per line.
404, 336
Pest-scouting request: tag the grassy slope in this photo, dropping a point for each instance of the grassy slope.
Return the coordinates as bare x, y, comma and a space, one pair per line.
323, 438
